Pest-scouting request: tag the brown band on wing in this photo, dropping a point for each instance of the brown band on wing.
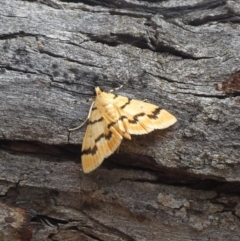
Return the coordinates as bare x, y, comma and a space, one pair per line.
127, 103
134, 121
93, 151
90, 150
94, 108
108, 137
111, 124
95, 121
155, 113
99, 137
135, 118
139, 115
123, 117
115, 122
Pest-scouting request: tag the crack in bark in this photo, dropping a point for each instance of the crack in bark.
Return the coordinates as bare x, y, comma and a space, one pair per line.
164, 175
8, 67
68, 59
223, 96
16, 35
112, 230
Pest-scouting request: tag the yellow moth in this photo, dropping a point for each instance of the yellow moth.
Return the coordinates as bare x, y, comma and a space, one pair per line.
112, 117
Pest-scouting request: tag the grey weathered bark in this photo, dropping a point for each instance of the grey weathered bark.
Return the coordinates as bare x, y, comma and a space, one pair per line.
177, 184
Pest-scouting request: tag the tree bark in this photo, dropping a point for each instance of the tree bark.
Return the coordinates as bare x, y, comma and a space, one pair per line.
178, 184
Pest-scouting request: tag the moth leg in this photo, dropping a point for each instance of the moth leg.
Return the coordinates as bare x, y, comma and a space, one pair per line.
89, 113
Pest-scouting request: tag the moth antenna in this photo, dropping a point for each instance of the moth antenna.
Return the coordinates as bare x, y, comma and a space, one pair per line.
89, 113
78, 127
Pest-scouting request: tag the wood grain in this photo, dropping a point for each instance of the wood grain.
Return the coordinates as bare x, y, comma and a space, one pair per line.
178, 184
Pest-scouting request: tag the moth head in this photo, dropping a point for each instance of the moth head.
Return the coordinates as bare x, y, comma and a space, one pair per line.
98, 91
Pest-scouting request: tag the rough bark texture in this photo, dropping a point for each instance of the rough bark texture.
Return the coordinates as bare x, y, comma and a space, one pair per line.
178, 184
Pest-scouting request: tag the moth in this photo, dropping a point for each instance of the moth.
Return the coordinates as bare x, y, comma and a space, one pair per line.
113, 117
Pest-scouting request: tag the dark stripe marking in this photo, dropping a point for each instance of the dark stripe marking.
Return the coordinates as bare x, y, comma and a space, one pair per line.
93, 151
99, 137
108, 137
155, 113
111, 124
115, 122
134, 121
135, 118
138, 115
123, 117
94, 108
127, 103
95, 121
